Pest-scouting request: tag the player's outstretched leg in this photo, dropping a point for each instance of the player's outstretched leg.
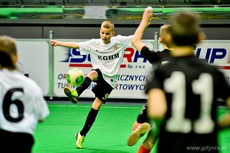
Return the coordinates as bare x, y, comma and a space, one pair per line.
74, 94
136, 134
79, 140
71, 94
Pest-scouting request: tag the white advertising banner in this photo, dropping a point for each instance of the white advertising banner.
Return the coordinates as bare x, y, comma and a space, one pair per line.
217, 53
34, 58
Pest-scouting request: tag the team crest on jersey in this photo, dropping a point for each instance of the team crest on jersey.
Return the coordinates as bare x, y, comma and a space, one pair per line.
106, 96
115, 47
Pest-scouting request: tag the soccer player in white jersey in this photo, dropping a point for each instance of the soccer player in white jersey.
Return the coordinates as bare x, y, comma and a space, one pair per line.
22, 104
106, 56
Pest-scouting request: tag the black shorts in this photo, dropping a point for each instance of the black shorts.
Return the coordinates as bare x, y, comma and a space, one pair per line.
14, 142
102, 89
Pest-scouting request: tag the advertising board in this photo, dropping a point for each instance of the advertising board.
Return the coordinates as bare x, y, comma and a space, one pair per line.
34, 58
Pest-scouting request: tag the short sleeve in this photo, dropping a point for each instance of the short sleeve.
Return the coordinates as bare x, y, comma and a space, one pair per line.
86, 47
126, 40
41, 107
151, 56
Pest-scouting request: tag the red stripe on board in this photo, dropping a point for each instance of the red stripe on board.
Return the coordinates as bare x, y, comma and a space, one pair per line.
224, 67
80, 65
123, 66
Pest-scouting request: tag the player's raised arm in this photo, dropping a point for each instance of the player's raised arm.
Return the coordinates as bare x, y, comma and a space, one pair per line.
146, 19
64, 44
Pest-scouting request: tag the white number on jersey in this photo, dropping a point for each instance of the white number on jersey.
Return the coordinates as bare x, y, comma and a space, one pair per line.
176, 84
7, 102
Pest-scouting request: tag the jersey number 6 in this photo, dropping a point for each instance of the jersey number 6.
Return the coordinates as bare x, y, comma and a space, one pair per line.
7, 102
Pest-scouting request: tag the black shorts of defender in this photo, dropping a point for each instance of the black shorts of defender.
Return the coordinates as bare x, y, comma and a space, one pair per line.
14, 142
102, 89
142, 116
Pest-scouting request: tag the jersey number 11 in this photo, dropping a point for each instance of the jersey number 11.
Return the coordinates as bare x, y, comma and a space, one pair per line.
176, 84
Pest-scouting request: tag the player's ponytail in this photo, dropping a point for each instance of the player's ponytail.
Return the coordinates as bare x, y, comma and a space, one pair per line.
6, 60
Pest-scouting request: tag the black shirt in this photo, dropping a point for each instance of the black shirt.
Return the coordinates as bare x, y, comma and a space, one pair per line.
192, 88
155, 56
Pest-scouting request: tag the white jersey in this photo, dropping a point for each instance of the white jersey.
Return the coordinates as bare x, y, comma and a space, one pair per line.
107, 57
22, 103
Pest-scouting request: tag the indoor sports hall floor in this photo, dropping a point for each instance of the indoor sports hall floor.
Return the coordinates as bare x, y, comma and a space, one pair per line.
108, 134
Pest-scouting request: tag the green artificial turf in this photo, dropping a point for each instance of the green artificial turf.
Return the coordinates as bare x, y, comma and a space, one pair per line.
108, 134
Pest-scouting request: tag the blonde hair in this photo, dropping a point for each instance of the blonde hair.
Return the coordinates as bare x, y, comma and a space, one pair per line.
164, 35
164, 29
108, 25
7, 51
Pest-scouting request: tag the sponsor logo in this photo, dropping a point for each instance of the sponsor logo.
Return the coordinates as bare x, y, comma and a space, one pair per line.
106, 58
75, 59
217, 56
